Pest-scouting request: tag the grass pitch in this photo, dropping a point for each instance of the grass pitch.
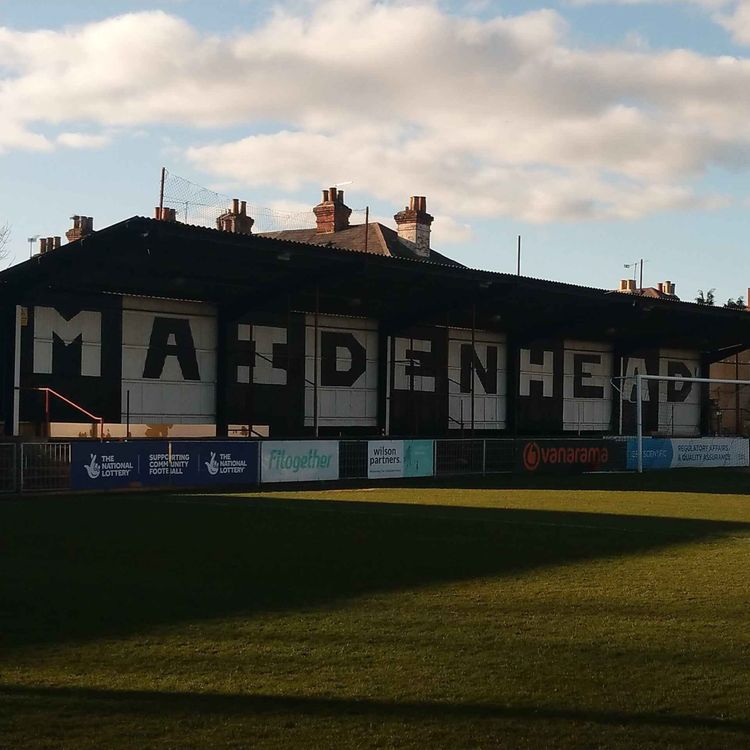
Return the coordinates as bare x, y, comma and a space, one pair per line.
592, 615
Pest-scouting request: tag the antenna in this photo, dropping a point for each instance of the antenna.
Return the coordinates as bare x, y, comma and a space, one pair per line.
341, 184
634, 265
31, 241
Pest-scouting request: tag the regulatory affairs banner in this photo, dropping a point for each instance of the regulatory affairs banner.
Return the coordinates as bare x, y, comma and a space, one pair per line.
665, 453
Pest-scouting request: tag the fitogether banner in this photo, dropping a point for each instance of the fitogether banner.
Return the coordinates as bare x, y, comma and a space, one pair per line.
113, 465
663, 453
393, 459
299, 460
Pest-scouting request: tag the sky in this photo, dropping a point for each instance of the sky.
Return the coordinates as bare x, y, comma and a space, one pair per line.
600, 131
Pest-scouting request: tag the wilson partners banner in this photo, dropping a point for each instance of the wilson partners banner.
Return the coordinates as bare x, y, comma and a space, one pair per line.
394, 459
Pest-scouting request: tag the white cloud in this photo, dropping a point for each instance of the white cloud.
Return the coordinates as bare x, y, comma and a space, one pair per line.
485, 117
83, 140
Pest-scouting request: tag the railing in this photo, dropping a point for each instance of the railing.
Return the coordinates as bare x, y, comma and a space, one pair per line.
45, 466
39, 467
8, 467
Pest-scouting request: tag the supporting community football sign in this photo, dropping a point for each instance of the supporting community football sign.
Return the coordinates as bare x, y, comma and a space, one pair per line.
155, 463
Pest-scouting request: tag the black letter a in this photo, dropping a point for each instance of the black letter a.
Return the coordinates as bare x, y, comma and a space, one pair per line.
159, 348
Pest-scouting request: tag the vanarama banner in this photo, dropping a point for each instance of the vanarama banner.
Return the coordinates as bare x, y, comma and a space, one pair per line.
299, 460
546, 456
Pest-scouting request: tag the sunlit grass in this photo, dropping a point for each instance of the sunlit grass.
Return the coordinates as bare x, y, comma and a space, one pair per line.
419, 617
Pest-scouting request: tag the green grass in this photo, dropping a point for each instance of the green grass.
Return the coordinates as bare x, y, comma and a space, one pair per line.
595, 612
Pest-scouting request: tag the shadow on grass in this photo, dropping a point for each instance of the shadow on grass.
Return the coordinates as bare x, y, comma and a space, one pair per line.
145, 702
711, 481
113, 565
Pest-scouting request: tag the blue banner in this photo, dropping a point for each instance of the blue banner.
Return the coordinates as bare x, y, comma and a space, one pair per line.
105, 465
674, 453
657, 453
154, 464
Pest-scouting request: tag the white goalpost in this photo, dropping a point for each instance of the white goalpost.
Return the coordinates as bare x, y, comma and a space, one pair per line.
639, 379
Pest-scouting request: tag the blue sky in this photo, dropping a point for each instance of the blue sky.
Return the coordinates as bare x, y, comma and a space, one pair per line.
602, 132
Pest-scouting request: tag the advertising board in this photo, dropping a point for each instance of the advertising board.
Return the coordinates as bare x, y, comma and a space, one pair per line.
112, 465
665, 453
561, 456
393, 459
299, 460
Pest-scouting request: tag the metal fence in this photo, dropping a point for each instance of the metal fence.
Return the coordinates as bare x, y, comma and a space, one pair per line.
8, 467
452, 457
45, 466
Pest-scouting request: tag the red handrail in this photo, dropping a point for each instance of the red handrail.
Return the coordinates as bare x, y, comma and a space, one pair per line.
48, 391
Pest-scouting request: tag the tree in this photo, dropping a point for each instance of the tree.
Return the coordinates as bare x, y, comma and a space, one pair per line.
4, 237
706, 298
735, 304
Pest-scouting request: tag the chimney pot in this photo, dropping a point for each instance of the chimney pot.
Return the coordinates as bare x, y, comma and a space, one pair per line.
235, 205
332, 214
243, 208
82, 227
414, 225
660, 287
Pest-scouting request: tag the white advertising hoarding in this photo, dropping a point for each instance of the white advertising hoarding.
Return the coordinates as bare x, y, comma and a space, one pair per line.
299, 461
385, 459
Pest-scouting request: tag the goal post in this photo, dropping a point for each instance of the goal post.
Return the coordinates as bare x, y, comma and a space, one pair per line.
639, 385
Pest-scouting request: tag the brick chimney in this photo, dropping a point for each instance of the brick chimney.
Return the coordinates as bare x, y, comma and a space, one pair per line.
236, 219
414, 224
82, 227
331, 214
165, 214
48, 243
627, 285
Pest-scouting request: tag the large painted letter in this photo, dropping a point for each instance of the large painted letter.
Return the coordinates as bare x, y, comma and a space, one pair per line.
347, 372
543, 372
587, 386
67, 344
487, 362
169, 361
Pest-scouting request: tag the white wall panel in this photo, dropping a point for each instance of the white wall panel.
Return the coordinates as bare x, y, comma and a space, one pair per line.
169, 361
347, 371
490, 384
679, 403
87, 325
587, 386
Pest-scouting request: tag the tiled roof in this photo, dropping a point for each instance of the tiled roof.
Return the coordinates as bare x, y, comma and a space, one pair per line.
374, 238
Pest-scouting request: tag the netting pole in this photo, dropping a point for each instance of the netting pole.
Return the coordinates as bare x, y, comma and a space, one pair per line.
639, 419
161, 190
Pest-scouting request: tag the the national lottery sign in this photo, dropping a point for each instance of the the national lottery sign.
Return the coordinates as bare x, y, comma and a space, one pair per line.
145, 463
